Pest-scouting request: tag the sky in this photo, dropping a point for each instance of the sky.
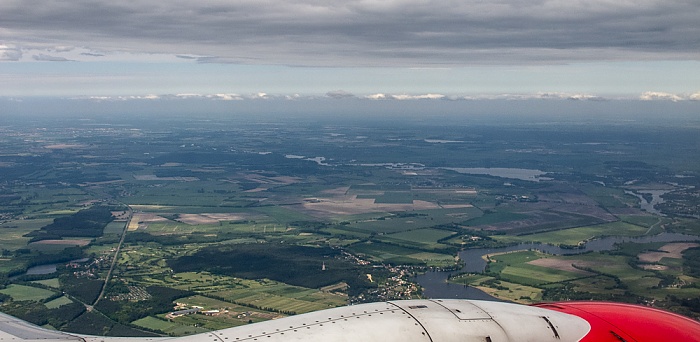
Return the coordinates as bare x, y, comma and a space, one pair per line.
366, 49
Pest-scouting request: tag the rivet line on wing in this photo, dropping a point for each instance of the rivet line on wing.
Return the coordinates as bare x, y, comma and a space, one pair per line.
414, 318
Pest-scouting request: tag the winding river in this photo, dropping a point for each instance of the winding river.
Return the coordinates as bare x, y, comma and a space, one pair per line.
435, 283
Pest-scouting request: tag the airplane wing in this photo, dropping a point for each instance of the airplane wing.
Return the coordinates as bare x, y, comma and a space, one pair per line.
404, 321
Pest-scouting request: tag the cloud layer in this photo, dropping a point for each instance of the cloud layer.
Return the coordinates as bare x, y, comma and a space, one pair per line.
355, 32
343, 95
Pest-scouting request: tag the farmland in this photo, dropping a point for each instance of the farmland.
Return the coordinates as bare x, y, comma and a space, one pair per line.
260, 219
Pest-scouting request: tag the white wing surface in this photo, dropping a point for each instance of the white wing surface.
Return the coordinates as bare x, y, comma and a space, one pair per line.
400, 321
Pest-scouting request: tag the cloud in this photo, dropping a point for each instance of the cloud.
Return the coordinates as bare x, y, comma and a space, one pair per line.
418, 97
378, 96
220, 96
122, 98
48, 58
549, 97
8, 53
656, 95
566, 96
227, 97
260, 95
536, 96
404, 97
62, 48
415, 33
92, 54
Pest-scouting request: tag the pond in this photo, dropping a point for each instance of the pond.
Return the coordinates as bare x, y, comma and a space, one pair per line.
47, 268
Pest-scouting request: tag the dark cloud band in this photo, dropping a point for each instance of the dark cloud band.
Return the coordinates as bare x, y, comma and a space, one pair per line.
364, 32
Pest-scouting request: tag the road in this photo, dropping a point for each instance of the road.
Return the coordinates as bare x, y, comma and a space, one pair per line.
116, 257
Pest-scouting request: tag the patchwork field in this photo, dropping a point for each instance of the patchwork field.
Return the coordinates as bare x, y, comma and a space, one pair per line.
216, 199
560, 264
210, 218
353, 205
671, 250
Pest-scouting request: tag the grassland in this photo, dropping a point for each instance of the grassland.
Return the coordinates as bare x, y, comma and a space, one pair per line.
499, 288
114, 228
602, 276
389, 224
393, 254
12, 233
53, 282
22, 292
422, 238
516, 267
384, 198
58, 302
575, 236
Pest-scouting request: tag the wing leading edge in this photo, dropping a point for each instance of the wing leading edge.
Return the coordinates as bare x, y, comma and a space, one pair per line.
405, 321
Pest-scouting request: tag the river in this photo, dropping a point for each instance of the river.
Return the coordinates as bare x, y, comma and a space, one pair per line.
435, 283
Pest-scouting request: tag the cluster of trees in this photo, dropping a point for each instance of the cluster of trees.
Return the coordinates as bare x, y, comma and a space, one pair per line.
92, 323
85, 289
87, 222
125, 312
290, 264
37, 313
691, 261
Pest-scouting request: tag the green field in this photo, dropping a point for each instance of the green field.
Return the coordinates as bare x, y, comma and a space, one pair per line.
155, 324
114, 228
22, 292
388, 253
499, 288
395, 223
279, 296
574, 236
518, 293
170, 328
12, 233
609, 197
264, 293
58, 302
422, 238
282, 303
495, 217
53, 282
614, 265
50, 248
644, 221
535, 275
284, 218
515, 267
